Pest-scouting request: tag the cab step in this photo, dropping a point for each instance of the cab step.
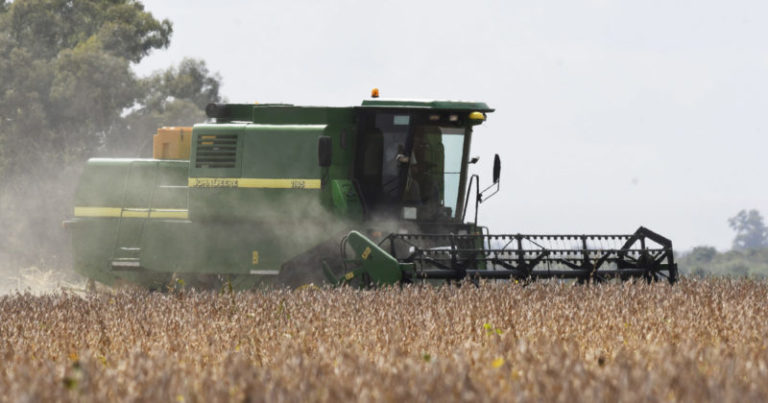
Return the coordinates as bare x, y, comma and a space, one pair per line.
126, 263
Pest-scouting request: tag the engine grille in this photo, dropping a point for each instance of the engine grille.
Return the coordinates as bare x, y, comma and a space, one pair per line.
216, 151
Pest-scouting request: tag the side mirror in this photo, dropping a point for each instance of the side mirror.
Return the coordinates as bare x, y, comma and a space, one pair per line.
496, 168
324, 151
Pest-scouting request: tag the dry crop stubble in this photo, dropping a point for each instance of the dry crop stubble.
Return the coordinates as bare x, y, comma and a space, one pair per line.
698, 340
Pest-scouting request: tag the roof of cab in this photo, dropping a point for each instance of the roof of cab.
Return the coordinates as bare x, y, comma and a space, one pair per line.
426, 104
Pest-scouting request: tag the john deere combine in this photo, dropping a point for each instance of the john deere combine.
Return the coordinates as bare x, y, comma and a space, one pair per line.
284, 194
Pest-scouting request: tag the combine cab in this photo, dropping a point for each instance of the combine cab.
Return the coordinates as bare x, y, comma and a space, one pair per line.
288, 195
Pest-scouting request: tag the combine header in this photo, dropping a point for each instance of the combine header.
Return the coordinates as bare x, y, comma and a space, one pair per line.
643, 254
288, 195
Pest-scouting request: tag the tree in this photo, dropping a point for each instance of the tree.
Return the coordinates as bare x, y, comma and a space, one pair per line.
65, 75
751, 232
702, 254
68, 92
174, 97
124, 29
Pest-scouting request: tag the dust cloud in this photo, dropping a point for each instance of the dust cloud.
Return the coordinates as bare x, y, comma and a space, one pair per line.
35, 249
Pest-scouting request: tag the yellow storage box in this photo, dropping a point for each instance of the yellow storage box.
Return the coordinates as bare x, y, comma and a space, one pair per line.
172, 143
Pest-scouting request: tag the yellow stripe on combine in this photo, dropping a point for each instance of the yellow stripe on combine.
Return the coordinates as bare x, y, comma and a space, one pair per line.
130, 212
254, 183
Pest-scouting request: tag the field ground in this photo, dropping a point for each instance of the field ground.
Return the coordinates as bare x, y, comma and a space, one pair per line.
699, 340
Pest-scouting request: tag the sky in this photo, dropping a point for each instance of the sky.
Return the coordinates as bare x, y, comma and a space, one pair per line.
609, 114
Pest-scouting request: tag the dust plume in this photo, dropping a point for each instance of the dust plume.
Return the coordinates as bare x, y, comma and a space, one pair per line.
35, 251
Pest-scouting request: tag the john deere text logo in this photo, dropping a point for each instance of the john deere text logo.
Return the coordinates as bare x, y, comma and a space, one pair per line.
214, 183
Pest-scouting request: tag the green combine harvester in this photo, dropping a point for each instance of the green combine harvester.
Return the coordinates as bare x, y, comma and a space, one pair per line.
276, 194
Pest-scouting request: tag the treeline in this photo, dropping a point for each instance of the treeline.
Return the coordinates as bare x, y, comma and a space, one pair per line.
748, 256
68, 92
707, 261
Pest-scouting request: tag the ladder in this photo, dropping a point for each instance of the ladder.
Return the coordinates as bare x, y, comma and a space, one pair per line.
126, 253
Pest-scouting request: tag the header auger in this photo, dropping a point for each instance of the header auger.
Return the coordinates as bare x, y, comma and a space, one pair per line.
287, 195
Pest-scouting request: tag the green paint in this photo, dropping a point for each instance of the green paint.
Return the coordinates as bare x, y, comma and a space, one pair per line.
375, 264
